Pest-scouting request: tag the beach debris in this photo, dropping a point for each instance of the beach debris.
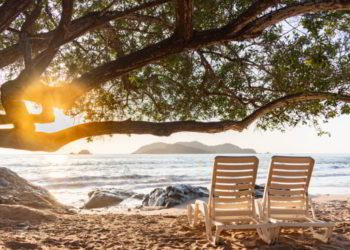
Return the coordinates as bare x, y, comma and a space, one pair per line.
173, 195
14, 190
106, 197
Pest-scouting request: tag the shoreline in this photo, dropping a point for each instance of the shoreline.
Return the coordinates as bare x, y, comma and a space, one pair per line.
164, 229
181, 209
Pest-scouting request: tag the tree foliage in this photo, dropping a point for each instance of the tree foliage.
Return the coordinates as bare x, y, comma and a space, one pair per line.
159, 66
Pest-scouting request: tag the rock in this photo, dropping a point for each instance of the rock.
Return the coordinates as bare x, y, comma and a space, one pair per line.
259, 191
14, 190
104, 198
173, 195
138, 196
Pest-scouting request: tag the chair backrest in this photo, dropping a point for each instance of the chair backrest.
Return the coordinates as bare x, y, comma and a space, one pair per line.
286, 190
233, 187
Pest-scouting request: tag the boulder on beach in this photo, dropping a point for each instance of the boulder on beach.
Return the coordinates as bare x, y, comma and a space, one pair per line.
176, 195
14, 190
173, 195
106, 197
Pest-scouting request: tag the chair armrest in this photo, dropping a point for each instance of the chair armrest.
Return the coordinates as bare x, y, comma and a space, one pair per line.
202, 207
200, 202
259, 211
312, 208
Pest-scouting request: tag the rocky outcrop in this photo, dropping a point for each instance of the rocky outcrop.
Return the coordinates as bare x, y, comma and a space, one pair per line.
173, 195
14, 190
107, 197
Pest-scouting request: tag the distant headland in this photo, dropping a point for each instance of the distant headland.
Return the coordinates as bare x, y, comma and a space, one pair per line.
192, 148
82, 152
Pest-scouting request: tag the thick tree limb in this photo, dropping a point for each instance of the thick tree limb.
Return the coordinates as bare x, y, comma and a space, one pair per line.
184, 26
38, 141
24, 34
13, 91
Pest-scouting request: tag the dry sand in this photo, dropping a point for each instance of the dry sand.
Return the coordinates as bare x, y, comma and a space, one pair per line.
162, 229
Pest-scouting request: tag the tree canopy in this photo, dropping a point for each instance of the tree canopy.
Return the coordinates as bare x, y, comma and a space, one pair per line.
165, 66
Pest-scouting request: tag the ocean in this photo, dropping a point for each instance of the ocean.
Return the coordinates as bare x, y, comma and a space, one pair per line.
70, 177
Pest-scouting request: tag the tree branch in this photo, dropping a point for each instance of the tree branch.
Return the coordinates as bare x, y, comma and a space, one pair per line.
78, 27
256, 8
39, 141
256, 27
184, 26
10, 10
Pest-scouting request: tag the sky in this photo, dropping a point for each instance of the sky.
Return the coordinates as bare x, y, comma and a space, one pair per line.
297, 140
302, 140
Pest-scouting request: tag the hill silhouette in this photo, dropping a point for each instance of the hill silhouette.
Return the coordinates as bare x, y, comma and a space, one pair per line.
192, 148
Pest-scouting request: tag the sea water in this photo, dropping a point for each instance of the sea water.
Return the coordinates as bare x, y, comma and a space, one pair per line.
71, 177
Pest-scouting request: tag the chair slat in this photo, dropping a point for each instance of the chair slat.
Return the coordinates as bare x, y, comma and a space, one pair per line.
233, 187
287, 211
289, 174
235, 174
288, 180
285, 192
246, 205
289, 204
292, 159
287, 186
232, 213
235, 180
234, 167
229, 159
229, 200
290, 167
287, 198
233, 194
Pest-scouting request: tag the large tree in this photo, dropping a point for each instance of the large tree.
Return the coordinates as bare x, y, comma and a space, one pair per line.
165, 66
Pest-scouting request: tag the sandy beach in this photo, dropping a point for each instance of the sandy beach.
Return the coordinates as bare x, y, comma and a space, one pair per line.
162, 229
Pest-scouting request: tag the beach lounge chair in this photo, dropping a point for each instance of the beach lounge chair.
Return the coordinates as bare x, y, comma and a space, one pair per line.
286, 202
231, 203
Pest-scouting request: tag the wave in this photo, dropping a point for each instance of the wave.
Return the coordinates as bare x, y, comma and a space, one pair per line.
149, 181
339, 167
93, 178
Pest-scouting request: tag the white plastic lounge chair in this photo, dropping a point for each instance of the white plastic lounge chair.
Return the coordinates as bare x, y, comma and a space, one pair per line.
231, 201
286, 202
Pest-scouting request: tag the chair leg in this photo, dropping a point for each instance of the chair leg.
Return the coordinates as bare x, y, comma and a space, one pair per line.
275, 232
193, 214
196, 214
265, 234
216, 236
189, 215
323, 237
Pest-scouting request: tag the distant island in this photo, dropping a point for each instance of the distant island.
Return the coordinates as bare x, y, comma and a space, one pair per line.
82, 152
192, 148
